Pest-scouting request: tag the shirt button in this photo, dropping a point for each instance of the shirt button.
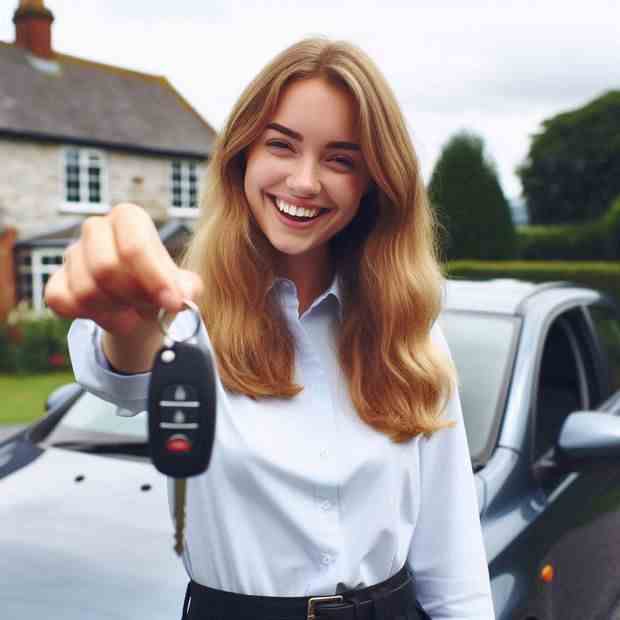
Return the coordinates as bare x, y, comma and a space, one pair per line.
326, 505
326, 559
324, 453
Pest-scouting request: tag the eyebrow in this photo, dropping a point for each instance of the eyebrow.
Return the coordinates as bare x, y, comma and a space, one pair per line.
351, 146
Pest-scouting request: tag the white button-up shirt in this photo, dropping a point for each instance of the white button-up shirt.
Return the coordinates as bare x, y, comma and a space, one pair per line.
301, 495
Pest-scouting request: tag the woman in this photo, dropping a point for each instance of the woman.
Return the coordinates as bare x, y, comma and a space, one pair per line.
340, 462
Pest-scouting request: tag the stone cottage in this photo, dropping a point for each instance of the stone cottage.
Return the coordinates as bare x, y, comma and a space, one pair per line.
76, 138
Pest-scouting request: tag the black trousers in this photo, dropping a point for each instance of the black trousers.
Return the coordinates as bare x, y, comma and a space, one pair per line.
393, 599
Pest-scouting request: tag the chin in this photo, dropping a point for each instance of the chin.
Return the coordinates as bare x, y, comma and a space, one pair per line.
291, 249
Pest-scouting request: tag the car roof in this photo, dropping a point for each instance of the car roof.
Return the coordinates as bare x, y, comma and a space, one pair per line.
501, 295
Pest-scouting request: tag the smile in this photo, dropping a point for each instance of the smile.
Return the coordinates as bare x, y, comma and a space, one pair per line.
294, 214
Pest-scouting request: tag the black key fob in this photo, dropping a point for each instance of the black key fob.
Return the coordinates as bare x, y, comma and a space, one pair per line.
182, 409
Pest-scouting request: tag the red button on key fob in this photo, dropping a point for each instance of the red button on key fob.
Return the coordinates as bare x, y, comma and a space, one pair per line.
178, 443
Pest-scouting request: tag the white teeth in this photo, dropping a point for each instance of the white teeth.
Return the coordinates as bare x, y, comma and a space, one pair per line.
293, 210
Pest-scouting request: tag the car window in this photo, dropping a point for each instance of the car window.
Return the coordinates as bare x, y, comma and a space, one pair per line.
561, 387
482, 346
607, 327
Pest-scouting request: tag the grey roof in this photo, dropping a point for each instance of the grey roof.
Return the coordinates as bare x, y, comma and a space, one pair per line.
66, 234
75, 100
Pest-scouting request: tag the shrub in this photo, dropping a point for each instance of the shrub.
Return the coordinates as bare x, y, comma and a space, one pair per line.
596, 240
33, 342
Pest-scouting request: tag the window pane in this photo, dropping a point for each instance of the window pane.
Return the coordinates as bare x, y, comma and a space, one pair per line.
81, 165
608, 329
25, 286
481, 346
558, 393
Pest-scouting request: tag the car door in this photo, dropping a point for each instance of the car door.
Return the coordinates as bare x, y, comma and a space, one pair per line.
579, 524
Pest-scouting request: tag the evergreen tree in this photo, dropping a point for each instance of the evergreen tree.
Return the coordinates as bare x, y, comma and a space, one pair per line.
471, 206
572, 172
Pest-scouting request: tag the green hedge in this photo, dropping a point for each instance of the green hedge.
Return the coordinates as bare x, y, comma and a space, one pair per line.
596, 240
33, 342
604, 276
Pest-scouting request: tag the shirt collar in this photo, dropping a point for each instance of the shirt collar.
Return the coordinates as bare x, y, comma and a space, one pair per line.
287, 293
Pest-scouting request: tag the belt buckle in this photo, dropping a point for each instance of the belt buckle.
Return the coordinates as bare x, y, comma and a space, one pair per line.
313, 601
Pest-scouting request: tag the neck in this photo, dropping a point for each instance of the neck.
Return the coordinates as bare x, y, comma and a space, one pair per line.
310, 274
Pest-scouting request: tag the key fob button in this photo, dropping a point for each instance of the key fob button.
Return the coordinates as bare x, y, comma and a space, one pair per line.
179, 393
178, 443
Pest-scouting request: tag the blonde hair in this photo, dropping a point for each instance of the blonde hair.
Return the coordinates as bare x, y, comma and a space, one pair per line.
387, 260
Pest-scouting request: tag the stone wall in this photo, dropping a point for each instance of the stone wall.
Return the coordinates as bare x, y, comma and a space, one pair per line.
32, 190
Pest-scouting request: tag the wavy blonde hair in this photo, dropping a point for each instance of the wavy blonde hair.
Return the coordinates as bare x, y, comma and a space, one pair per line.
386, 258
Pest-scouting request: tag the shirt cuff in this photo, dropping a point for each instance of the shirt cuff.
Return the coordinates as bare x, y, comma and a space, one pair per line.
94, 373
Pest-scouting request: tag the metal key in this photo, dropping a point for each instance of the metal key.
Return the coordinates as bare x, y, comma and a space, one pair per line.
182, 408
180, 491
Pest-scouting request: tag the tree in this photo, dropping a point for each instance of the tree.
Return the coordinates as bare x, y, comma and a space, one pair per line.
572, 172
470, 203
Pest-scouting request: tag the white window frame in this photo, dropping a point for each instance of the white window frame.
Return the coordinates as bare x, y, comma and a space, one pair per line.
85, 206
185, 210
37, 270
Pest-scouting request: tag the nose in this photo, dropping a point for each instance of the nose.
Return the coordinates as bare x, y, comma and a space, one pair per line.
304, 179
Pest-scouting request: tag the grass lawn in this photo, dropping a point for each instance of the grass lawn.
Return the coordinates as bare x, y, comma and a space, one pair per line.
22, 397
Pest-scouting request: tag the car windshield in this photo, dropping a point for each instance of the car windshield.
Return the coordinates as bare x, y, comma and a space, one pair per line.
92, 419
482, 346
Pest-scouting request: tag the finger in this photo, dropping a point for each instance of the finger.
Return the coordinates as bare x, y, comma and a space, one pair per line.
86, 295
105, 268
148, 262
191, 284
58, 296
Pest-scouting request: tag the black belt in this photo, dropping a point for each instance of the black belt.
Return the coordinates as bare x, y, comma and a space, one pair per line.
392, 599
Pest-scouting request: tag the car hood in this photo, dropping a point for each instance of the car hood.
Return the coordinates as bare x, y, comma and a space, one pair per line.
86, 536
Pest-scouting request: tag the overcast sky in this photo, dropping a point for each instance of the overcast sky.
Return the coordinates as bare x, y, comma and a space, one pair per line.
494, 68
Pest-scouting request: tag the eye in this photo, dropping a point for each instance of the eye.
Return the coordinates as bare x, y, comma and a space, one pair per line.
278, 144
344, 161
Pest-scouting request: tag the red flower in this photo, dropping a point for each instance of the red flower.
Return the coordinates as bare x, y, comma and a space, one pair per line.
57, 360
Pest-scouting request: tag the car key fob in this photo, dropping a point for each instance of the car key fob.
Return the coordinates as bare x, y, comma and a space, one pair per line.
182, 409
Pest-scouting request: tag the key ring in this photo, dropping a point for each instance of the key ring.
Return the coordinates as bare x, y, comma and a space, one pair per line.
164, 328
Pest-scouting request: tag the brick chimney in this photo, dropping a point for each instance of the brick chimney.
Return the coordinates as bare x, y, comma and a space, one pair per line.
33, 27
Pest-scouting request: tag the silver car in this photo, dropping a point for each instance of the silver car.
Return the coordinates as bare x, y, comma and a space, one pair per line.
86, 531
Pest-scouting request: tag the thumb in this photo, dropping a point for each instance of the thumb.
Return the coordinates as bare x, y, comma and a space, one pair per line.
190, 284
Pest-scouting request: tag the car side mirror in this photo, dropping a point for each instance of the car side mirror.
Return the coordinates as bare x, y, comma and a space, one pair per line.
589, 440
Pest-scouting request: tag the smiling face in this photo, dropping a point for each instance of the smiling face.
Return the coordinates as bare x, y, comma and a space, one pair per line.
305, 175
